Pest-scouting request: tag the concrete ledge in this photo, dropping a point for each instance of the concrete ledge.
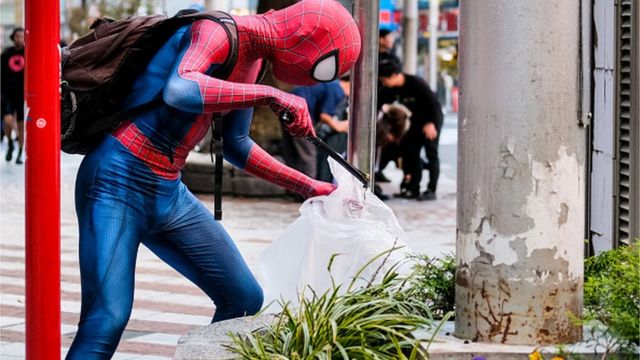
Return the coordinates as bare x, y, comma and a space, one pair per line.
198, 173
207, 343
250, 186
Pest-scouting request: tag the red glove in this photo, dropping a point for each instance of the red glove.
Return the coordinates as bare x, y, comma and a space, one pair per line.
294, 114
322, 188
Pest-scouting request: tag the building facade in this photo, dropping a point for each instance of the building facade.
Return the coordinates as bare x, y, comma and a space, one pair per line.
614, 210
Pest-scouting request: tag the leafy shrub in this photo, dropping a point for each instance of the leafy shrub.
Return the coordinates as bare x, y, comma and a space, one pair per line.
373, 322
434, 283
612, 292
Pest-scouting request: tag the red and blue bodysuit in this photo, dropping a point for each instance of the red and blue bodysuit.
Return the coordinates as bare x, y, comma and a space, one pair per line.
128, 189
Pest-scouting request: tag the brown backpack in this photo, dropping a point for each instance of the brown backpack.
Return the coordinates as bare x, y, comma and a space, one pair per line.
99, 69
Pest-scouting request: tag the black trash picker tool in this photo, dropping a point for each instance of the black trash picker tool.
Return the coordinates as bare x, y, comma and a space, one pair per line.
322, 146
357, 173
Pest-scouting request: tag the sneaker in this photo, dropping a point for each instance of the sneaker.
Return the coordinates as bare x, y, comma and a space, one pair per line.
427, 196
407, 194
379, 177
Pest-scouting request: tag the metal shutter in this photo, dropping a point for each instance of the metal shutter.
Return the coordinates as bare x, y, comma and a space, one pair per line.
628, 181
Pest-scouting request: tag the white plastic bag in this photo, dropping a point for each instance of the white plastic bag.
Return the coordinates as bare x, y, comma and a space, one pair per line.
350, 222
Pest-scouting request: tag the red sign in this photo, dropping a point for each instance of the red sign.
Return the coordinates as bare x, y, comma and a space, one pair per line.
448, 20
385, 16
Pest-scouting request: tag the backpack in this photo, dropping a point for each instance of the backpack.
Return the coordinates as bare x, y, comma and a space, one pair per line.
99, 69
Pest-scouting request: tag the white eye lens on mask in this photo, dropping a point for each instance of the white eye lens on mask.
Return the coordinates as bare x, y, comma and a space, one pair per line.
326, 68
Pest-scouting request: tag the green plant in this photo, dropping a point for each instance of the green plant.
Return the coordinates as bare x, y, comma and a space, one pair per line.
612, 295
434, 283
373, 322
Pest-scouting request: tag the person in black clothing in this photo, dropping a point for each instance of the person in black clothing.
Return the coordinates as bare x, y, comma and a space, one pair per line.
12, 91
426, 123
390, 129
386, 41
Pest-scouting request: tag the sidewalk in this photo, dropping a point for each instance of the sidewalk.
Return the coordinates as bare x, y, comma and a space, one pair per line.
166, 304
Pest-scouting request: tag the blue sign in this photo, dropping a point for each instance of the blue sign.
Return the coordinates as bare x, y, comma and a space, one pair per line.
424, 4
388, 15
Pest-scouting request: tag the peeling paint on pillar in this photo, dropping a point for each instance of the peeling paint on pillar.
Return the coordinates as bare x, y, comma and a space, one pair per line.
519, 288
521, 173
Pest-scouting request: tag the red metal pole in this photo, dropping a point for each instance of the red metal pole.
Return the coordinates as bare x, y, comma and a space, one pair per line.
42, 178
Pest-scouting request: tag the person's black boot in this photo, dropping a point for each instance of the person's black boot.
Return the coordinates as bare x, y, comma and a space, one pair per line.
407, 191
9, 150
19, 157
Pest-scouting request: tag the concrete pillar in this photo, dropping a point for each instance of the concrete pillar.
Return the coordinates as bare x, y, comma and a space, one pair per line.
410, 39
364, 89
521, 172
434, 21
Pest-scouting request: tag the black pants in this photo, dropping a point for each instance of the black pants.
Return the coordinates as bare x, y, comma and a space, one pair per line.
413, 165
433, 164
389, 152
13, 105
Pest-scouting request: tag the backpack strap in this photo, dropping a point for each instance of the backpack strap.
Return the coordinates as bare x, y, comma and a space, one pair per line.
229, 26
216, 148
222, 72
226, 68
263, 71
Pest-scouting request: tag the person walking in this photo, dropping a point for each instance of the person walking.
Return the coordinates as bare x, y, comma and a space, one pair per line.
12, 92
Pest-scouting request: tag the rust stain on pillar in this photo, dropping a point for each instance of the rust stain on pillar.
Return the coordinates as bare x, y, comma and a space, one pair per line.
519, 303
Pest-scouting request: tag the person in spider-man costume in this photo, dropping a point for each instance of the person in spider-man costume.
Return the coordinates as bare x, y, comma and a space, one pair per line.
128, 189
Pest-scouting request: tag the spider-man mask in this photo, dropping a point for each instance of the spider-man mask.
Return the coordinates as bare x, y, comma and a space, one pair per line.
316, 41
